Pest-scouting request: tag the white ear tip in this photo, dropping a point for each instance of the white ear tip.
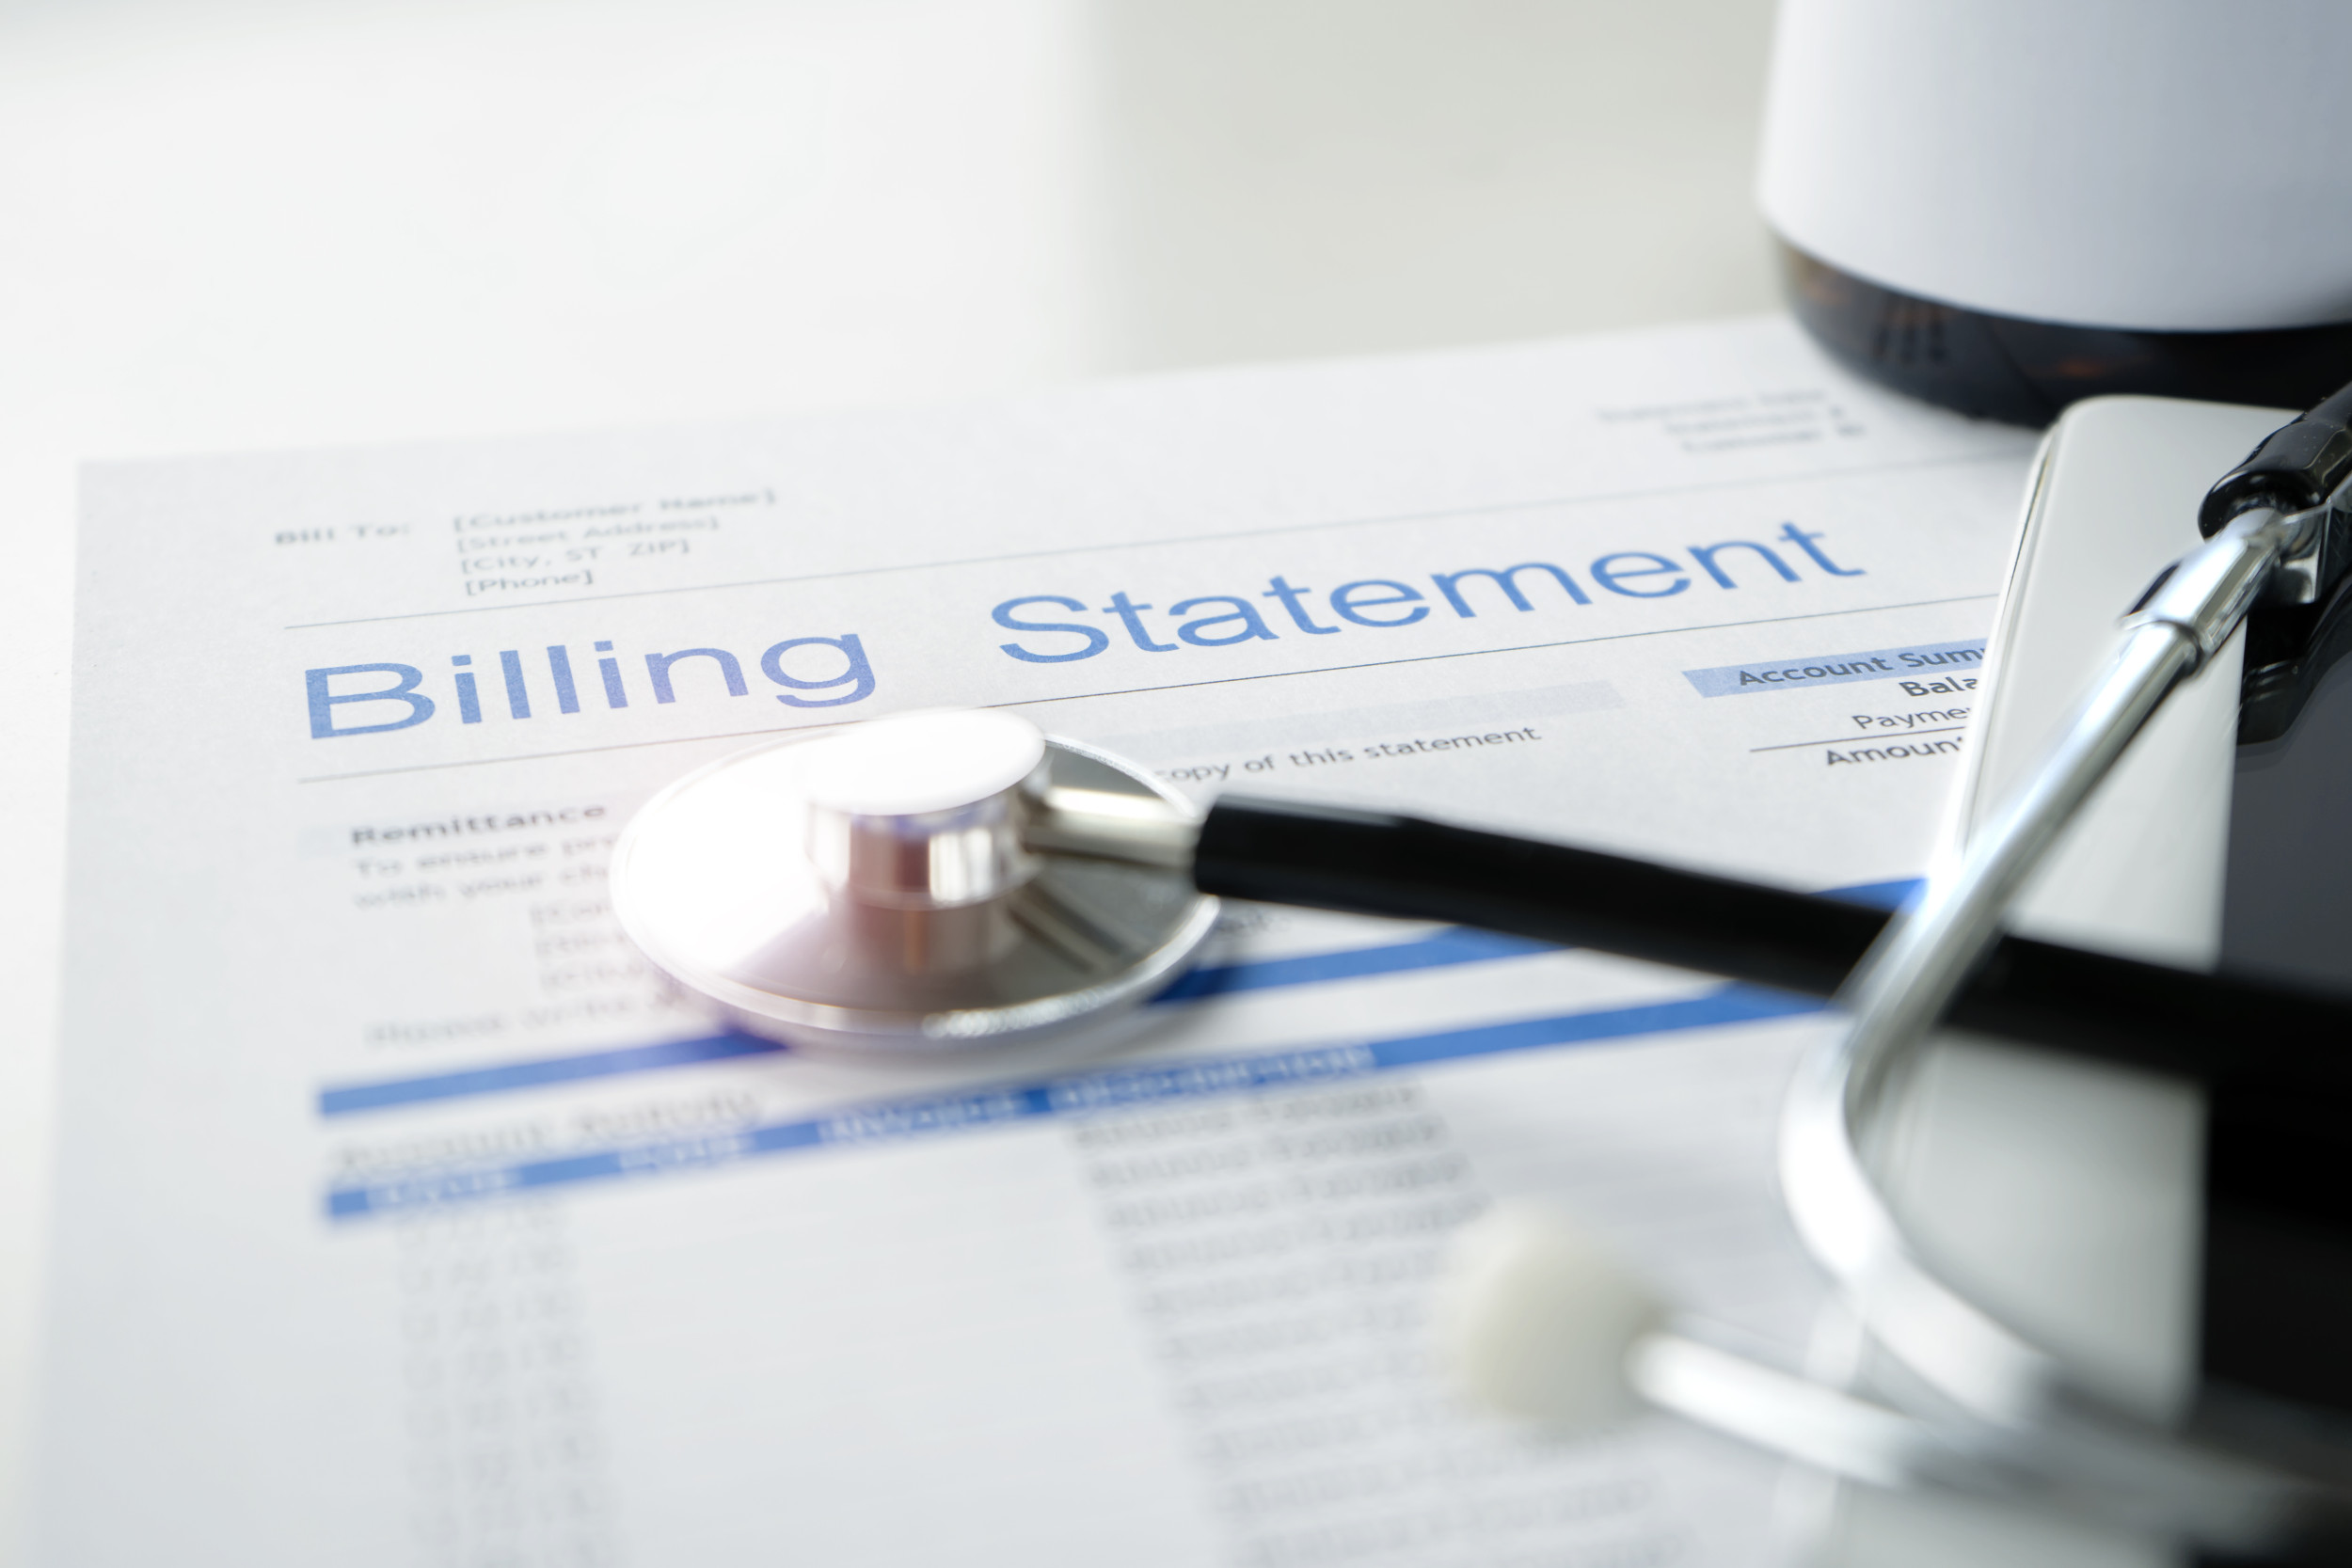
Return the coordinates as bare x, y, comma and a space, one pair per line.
1535, 1319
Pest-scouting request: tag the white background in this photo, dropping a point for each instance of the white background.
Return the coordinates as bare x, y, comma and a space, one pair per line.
251, 224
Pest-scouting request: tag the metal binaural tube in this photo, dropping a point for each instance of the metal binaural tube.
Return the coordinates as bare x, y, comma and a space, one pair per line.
1903, 987
1910, 975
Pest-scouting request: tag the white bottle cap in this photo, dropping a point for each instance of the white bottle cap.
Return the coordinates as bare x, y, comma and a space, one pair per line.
2171, 165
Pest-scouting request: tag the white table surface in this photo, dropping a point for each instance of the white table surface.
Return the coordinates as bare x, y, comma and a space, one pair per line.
239, 224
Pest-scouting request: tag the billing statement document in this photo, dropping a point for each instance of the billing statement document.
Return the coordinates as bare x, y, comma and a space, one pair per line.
405, 1218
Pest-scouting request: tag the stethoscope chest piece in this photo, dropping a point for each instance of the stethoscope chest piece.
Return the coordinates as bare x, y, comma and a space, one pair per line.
879, 889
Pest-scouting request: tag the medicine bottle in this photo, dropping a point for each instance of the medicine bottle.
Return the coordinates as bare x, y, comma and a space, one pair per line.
2006, 205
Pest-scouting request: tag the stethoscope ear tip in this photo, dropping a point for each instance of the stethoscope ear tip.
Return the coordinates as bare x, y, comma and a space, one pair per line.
1536, 1319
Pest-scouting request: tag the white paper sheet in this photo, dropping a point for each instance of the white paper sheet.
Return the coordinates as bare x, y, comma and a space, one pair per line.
403, 1219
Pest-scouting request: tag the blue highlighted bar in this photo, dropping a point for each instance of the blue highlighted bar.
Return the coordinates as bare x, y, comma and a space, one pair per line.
1116, 1090
1457, 945
1927, 662
1880, 896
1439, 950
1731, 1004
539, 1074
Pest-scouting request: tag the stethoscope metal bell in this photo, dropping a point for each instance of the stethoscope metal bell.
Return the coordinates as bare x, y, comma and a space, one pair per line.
898, 886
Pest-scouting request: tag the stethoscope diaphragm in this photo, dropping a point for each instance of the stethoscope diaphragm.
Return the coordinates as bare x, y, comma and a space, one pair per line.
887, 888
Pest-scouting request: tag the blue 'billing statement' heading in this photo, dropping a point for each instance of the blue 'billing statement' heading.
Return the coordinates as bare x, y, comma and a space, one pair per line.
837, 671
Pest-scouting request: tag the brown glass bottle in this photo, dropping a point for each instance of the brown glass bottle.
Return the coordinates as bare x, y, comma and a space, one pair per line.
2024, 371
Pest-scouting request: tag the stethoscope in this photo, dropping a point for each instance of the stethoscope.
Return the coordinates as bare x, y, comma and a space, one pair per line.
929, 883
